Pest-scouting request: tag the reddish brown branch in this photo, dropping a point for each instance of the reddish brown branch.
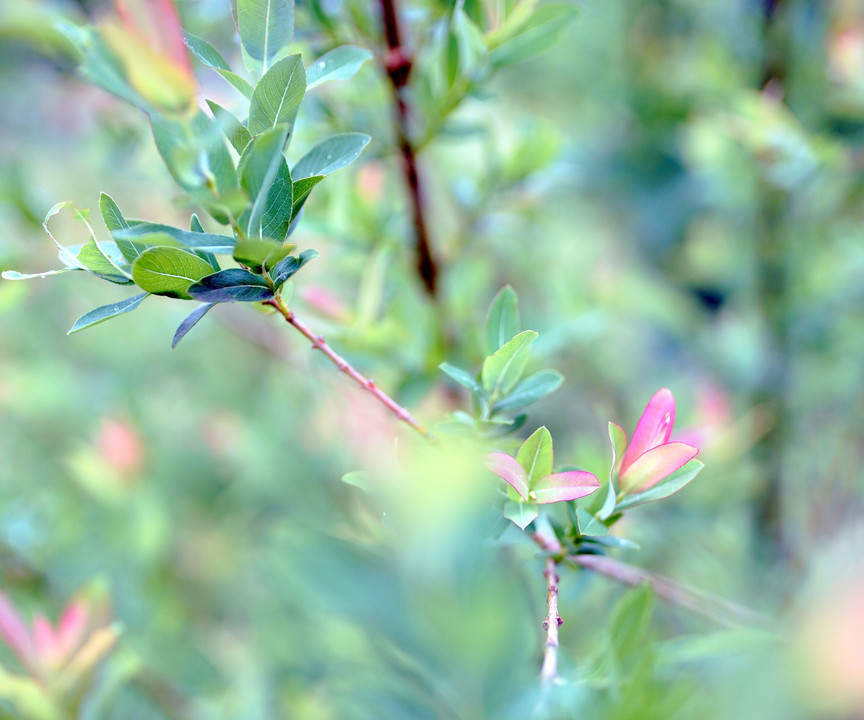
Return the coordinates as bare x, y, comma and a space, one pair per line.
549, 671
318, 343
398, 63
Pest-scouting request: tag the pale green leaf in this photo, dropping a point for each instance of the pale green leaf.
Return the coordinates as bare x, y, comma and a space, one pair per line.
340, 63
168, 271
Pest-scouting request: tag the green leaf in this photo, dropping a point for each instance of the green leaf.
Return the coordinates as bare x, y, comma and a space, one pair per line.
522, 514
630, 622
266, 28
502, 320
98, 259
15, 275
256, 252
663, 489
168, 271
301, 191
451, 56
106, 312
115, 222
359, 479
530, 390
340, 63
196, 226
285, 268
189, 322
330, 155
590, 525
234, 130
502, 370
277, 96
264, 175
463, 377
152, 234
211, 57
537, 34
618, 438
535, 455
231, 285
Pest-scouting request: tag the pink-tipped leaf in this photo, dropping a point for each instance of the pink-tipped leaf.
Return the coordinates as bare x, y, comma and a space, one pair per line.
15, 634
652, 466
562, 486
509, 470
654, 427
72, 626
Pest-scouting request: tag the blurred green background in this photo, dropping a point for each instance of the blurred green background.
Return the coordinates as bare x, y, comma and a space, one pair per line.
673, 187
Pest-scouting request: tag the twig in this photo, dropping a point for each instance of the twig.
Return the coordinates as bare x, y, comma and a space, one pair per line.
549, 671
720, 611
318, 343
398, 63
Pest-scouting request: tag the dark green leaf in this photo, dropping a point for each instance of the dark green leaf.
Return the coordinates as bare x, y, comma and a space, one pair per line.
106, 312
502, 320
156, 234
266, 28
463, 377
340, 63
285, 268
189, 322
264, 175
277, 96
168, 271
530, 390
231, 285
330, 155
502, 370
234, 130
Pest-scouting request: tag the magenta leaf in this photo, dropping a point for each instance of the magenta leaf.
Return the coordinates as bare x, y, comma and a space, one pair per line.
653, 465
653, 428
509, 470
562, 486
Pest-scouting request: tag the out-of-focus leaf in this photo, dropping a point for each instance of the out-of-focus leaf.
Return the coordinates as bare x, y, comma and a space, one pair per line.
510, 470
522, 514
630, 622
277, 96
463, 377
211, 57
588, 524
189, 322
231, 285
330, 155
530, 390
266, 28
168, 271
106, 312
503, 369
340, 63
234, 130
502, 319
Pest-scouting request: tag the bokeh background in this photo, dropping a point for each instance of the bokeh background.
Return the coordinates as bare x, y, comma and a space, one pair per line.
674, 189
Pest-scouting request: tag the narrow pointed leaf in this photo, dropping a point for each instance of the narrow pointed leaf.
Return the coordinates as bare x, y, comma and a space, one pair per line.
618, 438
301, 191
530, 390
666, 487
654, 427
114, 221
509, 470
189, 322
234, 130
654, 465
558, 487
330, 155
535, 455
211, 57
522, 514
145, 234
286, 267
502, 370
340, 63
463, 377
106, 312
231, 285
195, 226
277, 96
168, 271
502, 319
266, 28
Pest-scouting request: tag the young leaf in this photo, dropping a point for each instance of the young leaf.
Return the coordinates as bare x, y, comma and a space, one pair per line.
277, 96
231, 285
653, 465
330, 155
558, 487
530, 390
535, 455
106, 312
168, 271
234, 130
463, 377
502, 320
509, 470
502, 370
189, 322
301, 190
666, 487
340, 63
144, 234
211, 57
522, 514
286, 267
266, 28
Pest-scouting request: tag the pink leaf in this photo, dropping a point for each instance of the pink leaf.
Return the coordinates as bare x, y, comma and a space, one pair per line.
71, 628
559, 487
15, 634
44, 638
508, 469
653, 428
654, 465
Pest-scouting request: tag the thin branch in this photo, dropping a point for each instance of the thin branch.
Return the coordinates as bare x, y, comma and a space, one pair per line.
398, 64
720, 611
549, 671
318, 343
